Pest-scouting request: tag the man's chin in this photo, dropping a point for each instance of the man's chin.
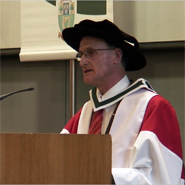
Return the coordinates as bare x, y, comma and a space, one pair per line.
88, 81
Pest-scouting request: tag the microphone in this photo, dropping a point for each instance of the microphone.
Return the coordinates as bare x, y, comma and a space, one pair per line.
9, 94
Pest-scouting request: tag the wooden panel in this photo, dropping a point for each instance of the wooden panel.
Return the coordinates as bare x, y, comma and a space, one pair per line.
55, 159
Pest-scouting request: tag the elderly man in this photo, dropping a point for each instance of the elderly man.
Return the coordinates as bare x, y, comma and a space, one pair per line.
146, 143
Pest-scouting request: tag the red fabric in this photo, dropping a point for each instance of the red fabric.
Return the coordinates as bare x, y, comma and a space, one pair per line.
72, 124
160, 118
96, 123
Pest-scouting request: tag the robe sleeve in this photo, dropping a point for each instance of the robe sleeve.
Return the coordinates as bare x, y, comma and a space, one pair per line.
156, 156
72, 125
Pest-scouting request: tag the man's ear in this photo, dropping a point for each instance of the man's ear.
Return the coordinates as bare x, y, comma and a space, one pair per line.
118, 55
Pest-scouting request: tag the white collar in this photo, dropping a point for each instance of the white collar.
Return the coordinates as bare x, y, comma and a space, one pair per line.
116, 89
110, 99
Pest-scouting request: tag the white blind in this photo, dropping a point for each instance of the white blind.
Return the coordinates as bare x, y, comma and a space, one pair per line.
42, 22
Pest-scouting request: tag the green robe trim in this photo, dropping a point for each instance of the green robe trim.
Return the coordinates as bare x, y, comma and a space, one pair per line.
140, 83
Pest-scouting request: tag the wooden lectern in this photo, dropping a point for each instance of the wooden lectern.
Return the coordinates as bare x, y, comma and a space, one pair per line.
55, 159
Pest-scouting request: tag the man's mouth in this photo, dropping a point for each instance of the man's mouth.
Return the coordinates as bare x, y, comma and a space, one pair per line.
87, 70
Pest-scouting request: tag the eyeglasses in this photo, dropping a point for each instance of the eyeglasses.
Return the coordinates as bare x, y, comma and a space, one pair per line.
89, 53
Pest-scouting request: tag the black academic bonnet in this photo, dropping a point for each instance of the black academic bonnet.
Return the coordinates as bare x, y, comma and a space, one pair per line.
109, 32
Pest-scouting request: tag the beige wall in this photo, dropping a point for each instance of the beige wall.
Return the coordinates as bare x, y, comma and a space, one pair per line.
147, 20
151, 21
46, 109
10, 24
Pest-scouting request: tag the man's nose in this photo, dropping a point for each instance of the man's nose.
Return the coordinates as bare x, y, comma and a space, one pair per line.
83, 61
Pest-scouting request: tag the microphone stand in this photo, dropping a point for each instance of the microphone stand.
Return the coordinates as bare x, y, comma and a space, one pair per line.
9, 94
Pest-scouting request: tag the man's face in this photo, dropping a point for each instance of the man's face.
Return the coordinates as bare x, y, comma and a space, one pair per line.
97, 65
